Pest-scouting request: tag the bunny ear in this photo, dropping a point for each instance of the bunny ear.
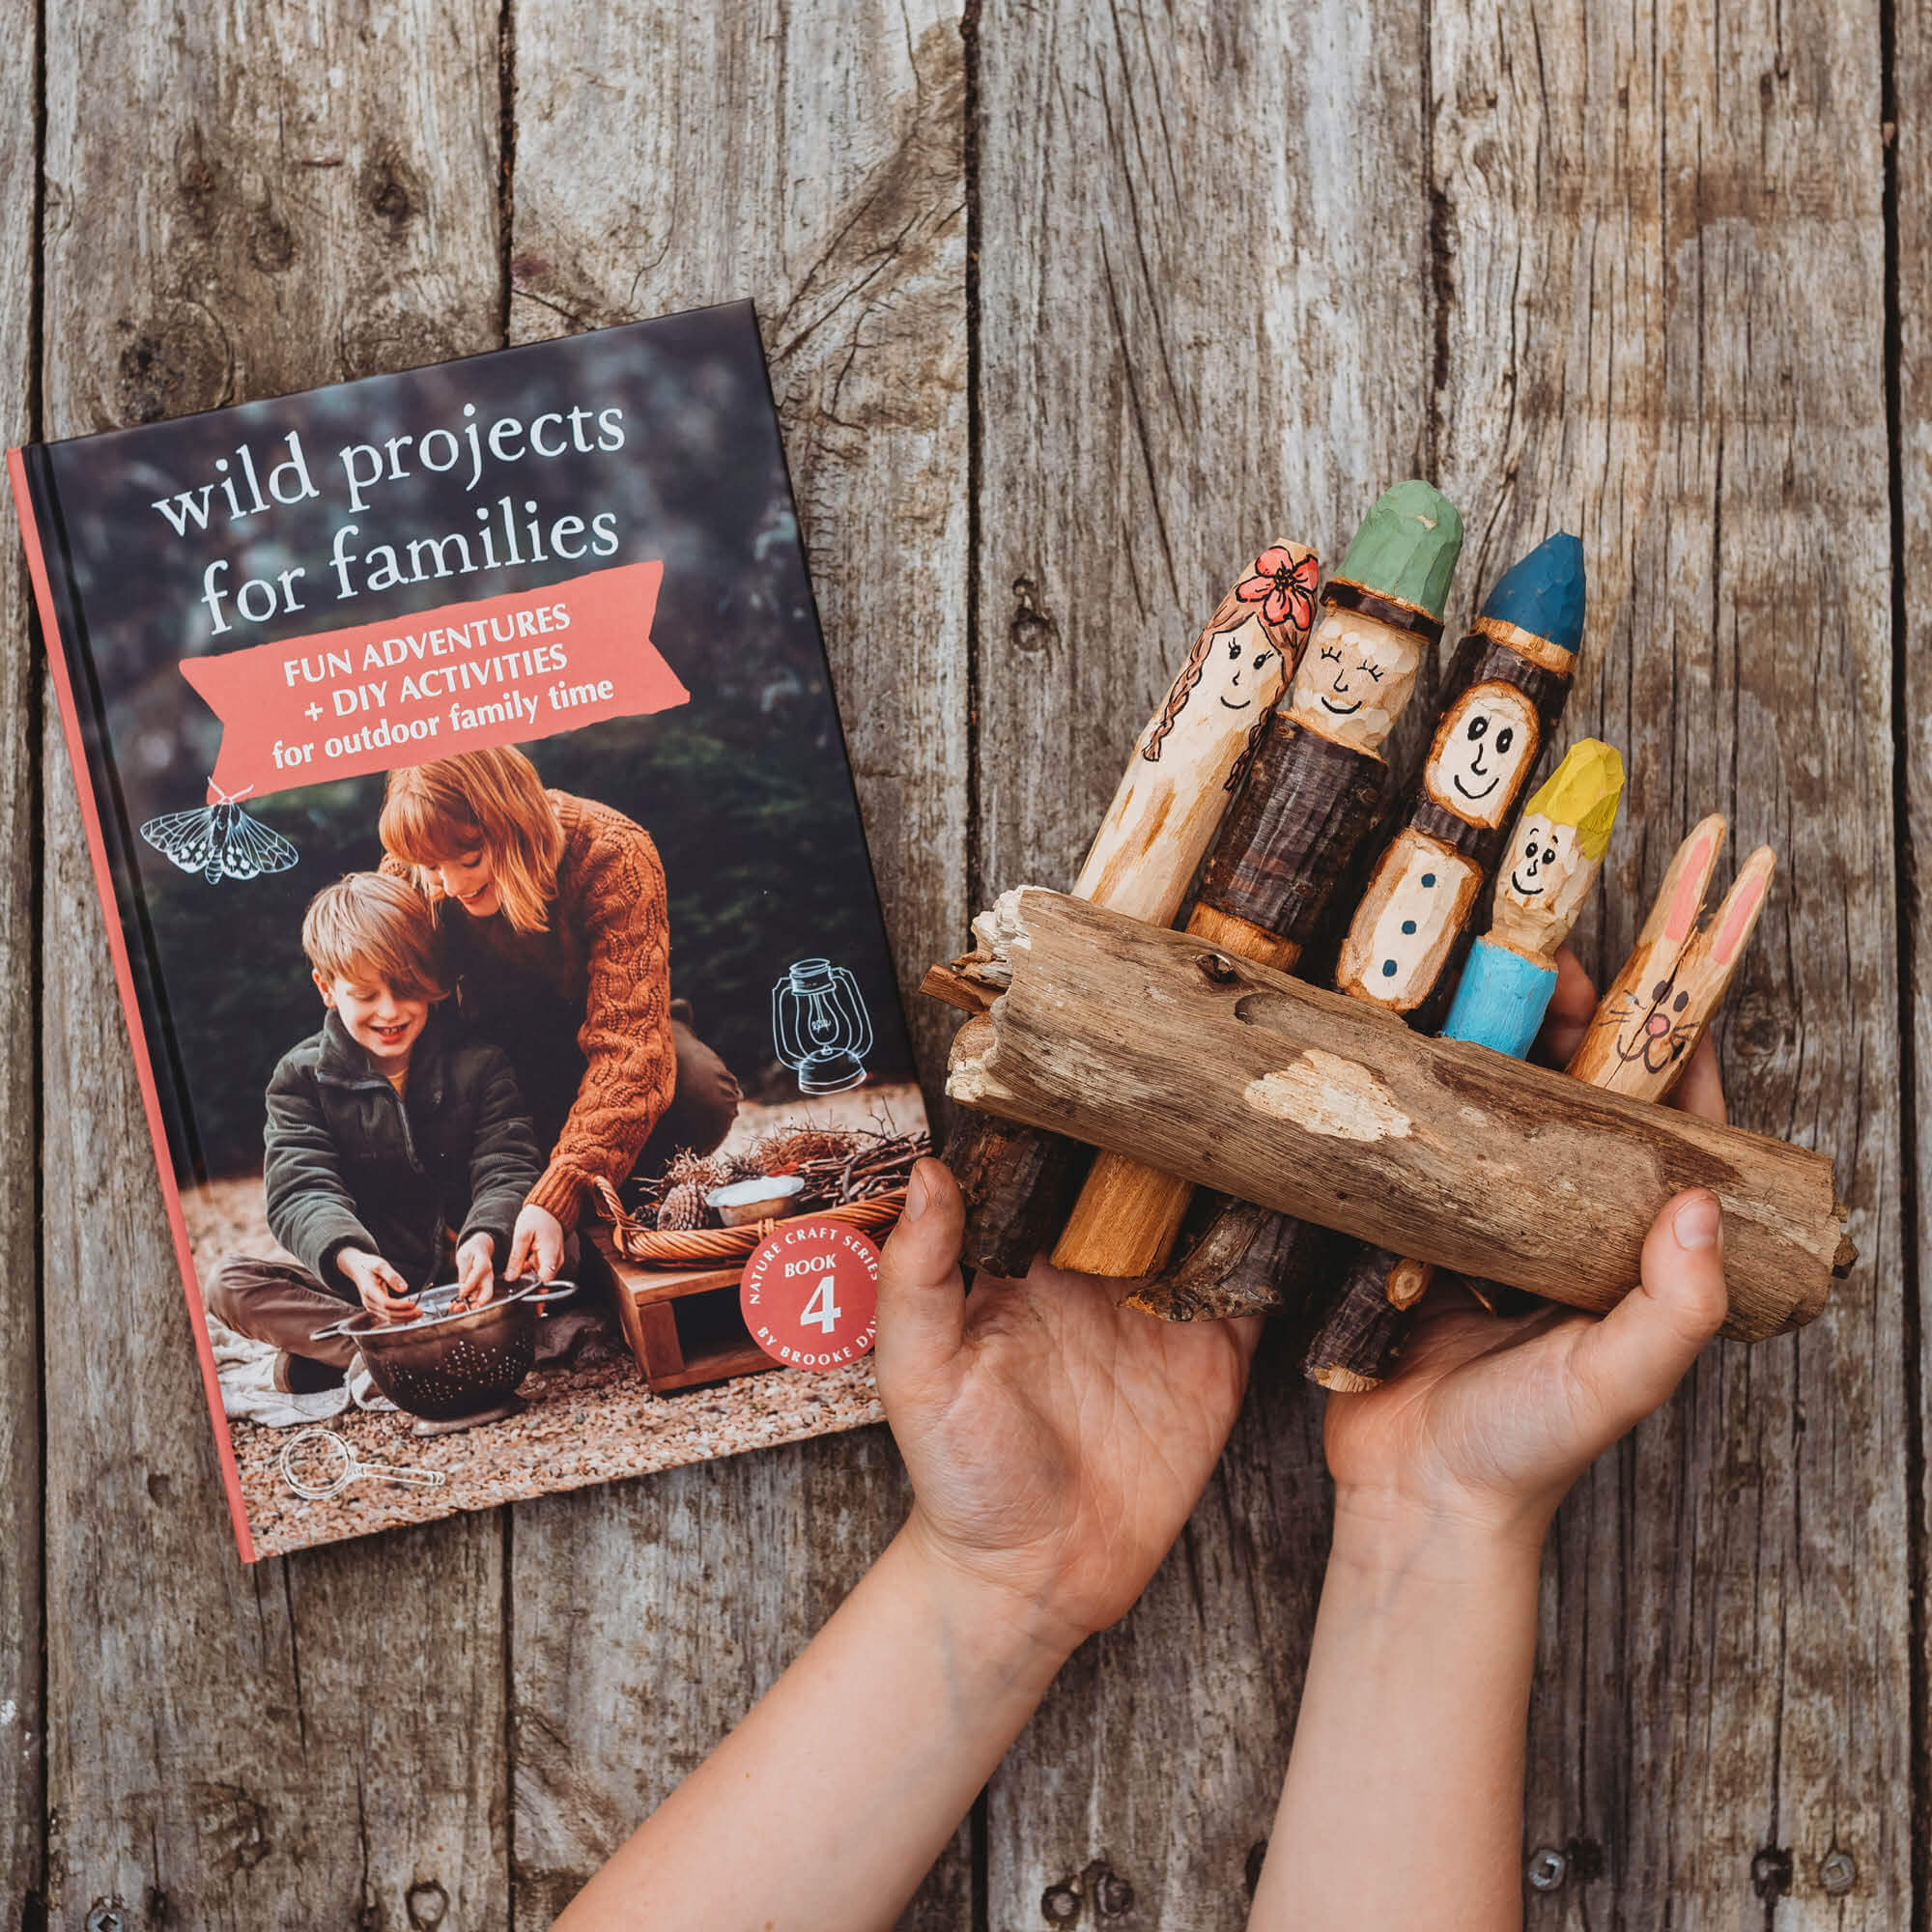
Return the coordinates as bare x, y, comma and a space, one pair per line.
1710, 962
1737, 918
1674, 916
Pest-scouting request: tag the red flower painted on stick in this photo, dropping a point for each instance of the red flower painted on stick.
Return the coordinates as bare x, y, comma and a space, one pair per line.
1287, 583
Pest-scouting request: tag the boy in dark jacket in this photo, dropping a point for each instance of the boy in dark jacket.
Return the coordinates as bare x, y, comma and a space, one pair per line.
398, 1152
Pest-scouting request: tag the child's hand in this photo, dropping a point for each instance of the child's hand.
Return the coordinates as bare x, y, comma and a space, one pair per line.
1489, 1422
536, 1244
475, 1273
1057, 1441
385, 1293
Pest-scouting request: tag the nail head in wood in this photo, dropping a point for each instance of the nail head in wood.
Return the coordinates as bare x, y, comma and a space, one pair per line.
1548, 1868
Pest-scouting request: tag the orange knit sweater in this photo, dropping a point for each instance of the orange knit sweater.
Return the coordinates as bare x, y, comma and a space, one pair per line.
607, 952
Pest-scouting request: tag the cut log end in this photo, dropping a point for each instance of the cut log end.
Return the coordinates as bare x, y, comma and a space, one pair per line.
1343, 1382
1357, 1345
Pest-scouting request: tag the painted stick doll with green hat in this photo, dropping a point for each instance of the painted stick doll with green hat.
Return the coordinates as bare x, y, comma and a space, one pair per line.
1314, 791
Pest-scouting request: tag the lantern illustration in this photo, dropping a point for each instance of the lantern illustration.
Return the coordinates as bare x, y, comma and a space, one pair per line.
820, 1026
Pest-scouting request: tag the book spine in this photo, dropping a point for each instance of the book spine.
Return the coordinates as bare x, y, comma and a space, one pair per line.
118, 882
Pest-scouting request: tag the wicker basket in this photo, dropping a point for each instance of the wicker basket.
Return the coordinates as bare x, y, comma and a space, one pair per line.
693, 1247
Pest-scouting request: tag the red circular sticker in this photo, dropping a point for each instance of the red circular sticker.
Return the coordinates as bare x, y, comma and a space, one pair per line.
811, 1294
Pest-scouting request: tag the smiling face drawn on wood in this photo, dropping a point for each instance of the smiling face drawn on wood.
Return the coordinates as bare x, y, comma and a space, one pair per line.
1545, 881
1354, 679
1242, 673
1483, 750
1416, 904
1228, 684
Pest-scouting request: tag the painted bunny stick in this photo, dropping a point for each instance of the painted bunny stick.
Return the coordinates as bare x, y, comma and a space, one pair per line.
1314, 791
1186, 767
1505, 990
1660, 1004
1505, 692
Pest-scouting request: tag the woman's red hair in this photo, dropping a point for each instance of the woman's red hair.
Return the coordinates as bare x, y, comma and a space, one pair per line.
493, 801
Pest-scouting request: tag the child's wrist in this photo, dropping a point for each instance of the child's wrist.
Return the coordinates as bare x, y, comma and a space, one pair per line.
1443, 1540
1001, 1626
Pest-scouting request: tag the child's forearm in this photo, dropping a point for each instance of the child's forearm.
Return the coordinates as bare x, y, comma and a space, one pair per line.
1404, 1799
828, 1803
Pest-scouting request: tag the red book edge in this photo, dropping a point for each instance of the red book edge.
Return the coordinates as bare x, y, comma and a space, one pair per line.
124, 977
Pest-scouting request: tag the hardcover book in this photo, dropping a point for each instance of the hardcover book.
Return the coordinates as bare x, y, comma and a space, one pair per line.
489, 899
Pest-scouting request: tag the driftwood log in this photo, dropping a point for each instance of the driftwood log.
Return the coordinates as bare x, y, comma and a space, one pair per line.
1326, 1108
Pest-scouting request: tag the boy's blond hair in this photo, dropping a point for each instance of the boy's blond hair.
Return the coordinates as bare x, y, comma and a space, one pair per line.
491, 800
369, 926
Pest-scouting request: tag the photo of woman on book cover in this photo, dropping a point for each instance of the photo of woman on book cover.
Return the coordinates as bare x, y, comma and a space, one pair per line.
502, 952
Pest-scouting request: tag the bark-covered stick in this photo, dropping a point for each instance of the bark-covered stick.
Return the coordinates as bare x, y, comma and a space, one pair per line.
1312, 794
1185, 769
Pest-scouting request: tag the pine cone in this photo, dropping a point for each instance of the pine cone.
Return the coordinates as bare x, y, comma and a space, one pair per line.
681, 1208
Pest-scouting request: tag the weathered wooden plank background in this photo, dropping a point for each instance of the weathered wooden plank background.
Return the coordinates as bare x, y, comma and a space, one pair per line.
1070, 307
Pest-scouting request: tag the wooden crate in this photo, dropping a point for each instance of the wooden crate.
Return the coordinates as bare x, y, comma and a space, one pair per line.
682, 1324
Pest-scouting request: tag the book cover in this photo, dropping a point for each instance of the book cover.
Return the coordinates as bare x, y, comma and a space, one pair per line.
488, 896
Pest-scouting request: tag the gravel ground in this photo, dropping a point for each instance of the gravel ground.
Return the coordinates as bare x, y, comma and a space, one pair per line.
590, 1422
582, 1426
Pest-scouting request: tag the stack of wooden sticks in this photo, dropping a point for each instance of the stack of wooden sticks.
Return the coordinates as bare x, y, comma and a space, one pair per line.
1266, 759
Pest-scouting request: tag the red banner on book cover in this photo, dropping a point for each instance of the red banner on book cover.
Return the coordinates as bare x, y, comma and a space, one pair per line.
500, 670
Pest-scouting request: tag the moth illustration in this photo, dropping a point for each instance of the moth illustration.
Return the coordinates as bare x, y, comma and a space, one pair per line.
219, 842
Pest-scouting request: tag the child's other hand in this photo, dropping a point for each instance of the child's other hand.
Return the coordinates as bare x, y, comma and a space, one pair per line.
536, 1244
1489, 1422
385, 1293
475, 1274
1055, 1440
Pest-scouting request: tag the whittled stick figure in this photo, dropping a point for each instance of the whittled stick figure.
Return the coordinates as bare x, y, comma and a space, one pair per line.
1185, 769
1548, 872
1190, 760
1660, 1004
1505, 696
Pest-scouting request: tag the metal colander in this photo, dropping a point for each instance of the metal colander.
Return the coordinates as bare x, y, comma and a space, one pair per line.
446, 1367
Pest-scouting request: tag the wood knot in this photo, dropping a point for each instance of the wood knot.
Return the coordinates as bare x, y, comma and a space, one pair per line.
171, 368
1218, 967
195, 180
1770, 1873
271, 242
391, 193
426, 1902
1034, 627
